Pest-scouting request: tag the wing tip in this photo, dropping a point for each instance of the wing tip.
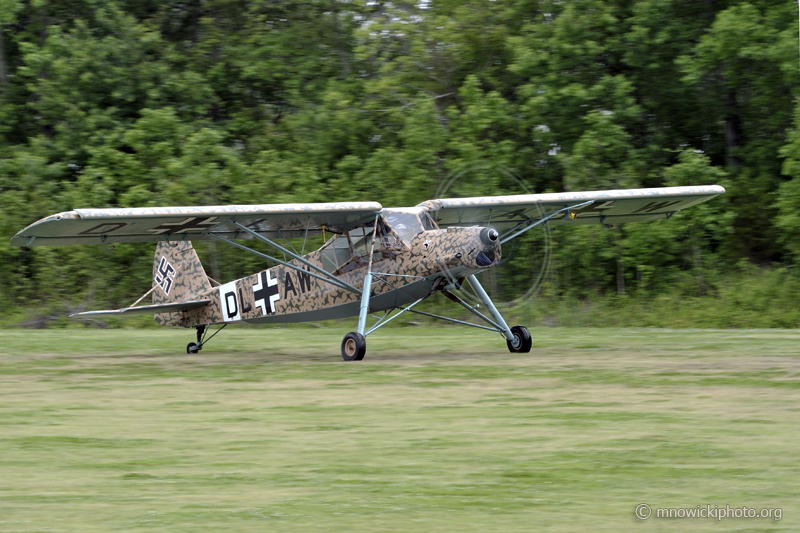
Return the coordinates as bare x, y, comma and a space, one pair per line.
20, 239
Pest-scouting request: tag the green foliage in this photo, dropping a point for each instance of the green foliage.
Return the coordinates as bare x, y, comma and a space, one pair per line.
142, 103
602, 157
746, 297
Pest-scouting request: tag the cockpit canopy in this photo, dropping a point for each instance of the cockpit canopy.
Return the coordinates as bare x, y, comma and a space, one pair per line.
409, 222
351, 250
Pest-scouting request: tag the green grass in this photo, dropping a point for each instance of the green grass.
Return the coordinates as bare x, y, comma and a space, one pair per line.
439, 429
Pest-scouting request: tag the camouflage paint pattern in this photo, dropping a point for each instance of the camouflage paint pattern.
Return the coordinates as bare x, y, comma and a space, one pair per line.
178, 276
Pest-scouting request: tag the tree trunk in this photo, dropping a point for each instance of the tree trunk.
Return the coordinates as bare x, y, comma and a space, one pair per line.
710, 11
733, 129
340, 45
618, 238
3, 69
698, 266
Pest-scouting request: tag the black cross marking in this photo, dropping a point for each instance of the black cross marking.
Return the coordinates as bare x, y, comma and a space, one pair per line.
655, 206
511, 215
255, 225
191, 223
262, 294
102, 229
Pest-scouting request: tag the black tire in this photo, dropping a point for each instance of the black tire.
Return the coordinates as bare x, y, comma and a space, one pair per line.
354, 346
524, 336
192, 347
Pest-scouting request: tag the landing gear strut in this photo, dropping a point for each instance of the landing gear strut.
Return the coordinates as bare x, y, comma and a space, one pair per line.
518, 338
194, 347
354, 344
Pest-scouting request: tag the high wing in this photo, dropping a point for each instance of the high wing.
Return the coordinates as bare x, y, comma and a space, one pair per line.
507, 213
151, 224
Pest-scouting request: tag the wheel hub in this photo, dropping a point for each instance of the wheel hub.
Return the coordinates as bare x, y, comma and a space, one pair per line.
350, 347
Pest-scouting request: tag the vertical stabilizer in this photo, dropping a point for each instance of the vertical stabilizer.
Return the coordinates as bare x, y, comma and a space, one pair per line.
178, 275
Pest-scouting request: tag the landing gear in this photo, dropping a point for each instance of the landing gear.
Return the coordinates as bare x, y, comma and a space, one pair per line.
522, 340
518, 338
354, 346
194, 347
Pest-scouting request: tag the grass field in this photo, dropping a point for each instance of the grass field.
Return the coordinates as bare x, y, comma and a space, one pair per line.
438, 429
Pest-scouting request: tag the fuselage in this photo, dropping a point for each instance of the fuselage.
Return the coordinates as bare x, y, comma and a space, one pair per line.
408, 253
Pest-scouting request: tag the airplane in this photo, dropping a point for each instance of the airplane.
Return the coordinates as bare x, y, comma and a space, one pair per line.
377, 259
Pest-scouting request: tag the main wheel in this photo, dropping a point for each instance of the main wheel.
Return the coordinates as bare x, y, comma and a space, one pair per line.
523, 337
354, 346
192, 347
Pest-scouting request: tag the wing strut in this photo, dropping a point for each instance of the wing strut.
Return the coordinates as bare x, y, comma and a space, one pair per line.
294, 255
515, 232
333, 280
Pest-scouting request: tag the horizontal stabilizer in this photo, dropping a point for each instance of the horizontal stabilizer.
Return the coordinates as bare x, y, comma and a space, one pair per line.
147, 309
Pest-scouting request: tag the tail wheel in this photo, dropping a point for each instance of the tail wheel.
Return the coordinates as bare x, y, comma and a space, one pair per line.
523, 338
354, 346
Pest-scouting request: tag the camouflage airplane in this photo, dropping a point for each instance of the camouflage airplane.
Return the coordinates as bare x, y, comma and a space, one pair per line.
378, 259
